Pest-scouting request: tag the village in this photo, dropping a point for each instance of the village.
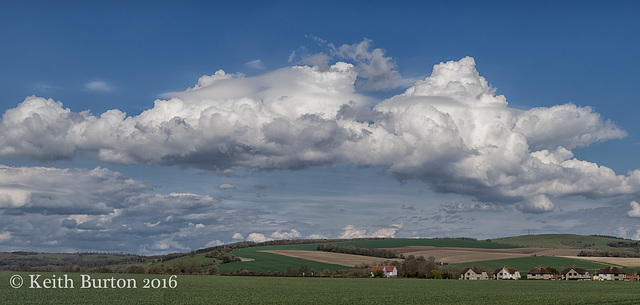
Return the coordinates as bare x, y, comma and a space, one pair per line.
610, 273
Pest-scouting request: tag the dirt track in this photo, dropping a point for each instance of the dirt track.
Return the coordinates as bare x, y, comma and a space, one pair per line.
627, 262
442, 254
244, 259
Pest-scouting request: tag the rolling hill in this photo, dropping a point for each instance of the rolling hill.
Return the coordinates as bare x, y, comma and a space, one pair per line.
559, 241
522, 252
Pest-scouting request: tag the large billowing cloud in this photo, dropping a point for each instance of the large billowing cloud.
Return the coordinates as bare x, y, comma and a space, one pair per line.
450, 130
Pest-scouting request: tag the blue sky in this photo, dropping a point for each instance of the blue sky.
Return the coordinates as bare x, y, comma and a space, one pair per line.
332, 119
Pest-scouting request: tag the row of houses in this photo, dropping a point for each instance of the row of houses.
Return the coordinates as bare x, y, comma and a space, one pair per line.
610, 273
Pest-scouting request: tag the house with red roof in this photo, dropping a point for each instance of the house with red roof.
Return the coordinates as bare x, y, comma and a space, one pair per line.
388, 271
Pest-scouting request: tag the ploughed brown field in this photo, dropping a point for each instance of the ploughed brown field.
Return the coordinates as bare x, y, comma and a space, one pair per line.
442, 254
330, 257
464, 255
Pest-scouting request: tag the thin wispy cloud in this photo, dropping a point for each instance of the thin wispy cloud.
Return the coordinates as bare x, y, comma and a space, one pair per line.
256, 64
226, 186
98, 85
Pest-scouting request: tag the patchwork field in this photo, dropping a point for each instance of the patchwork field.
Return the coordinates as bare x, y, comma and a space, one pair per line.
278, 258
451, 255
258, 260
457, 252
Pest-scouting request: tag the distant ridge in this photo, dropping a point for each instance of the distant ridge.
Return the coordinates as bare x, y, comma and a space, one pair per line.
560, 241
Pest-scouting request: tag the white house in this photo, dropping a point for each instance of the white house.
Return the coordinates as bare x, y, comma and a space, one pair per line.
388, 271
505, 273
575, 274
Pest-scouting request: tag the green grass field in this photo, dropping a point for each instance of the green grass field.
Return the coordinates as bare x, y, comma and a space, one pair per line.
264, 262
199, 259
266, 290
558, 241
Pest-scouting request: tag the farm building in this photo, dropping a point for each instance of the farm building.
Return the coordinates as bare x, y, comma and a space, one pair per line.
610, 273
388, 271
575, 274
539, 273
473, 273
505, 273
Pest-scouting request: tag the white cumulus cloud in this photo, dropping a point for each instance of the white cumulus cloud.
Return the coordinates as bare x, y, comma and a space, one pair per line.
317, 236
635, 209
450, 130
285, 235
536, 204
257, 237
350, 231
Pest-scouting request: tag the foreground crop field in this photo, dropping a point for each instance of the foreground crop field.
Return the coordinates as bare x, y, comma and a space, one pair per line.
266, 290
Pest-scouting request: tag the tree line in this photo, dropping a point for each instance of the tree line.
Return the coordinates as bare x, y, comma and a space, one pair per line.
383, 253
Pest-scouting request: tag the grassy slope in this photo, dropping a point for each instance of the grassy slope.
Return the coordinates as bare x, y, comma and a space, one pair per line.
558, 241
264, 262
200, 259
264, 290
